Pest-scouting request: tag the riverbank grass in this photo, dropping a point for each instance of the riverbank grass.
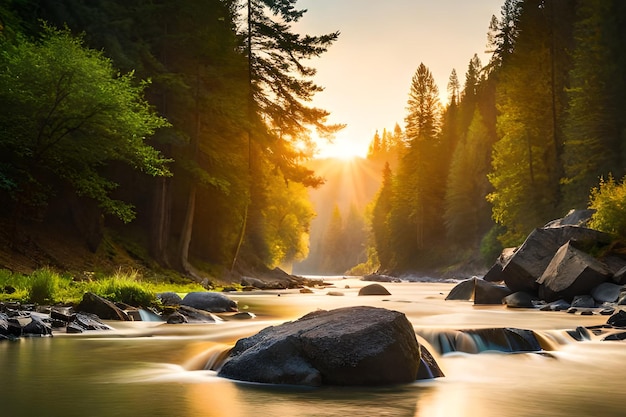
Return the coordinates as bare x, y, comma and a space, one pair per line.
46, 286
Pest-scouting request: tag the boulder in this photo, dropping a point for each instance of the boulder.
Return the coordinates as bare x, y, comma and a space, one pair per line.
464, 290
573, 218
169, 298
480, 291
105, 309
489, 293
36, 327
520, 299
82, 322
374, 289
529, 262
606, 292
346, 346
583, 301
209, 301
495, 273
571, 272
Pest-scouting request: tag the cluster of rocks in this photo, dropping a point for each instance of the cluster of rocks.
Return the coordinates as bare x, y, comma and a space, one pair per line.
554, 269
24, 320
18, 320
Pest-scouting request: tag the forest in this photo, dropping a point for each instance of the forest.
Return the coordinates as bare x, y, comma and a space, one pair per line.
183, 125
533, 133
187, 126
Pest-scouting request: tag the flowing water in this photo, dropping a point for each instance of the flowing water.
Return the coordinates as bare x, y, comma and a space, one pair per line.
155, 369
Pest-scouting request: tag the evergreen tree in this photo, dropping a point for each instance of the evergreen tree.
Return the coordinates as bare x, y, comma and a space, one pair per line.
418, 207
381, 230
526, 162
595, 126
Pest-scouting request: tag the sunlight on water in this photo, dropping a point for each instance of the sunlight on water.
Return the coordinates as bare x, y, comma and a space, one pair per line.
157, 369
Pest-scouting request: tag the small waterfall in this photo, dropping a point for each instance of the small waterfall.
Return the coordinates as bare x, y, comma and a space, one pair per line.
211, 359
509, 340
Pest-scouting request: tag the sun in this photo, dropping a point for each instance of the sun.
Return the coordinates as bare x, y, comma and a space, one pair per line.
341, 148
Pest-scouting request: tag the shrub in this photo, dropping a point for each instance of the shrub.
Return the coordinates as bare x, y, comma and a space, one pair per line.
125, 288
609, 201
44, 284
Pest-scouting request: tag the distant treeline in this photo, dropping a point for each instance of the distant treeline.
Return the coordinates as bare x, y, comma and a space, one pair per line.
523, 141
205, 156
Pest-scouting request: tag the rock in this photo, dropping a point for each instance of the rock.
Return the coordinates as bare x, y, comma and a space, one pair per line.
495, 273
63, 314
558, 305
306, 291
169, 298
256, 283
192, 315
105, 309
619, 277
374, 289
571, 272
583, 301
346, 346
573, 218
618, 319
529, 262
244, 315
177, 318
606, 292
335, 293
480, 291
36, 327
209, 301
83, 322
489, 293
519, 299
464, 290
379, 278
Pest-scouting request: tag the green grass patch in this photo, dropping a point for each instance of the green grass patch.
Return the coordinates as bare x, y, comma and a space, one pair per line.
46, 286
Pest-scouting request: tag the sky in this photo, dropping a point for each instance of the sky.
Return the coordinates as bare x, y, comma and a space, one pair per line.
366, 73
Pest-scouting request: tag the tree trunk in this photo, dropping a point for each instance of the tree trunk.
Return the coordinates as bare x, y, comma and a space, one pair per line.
161, 217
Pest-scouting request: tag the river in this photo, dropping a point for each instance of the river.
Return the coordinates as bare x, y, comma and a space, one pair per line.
155, 369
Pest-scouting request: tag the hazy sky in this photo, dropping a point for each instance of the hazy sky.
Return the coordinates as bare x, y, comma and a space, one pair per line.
367, 72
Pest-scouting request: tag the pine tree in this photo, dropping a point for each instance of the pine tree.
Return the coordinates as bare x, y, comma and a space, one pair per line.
594, 144
416, 217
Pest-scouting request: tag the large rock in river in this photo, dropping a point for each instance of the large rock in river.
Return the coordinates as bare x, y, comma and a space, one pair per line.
212, 302
571, 272
531, 259
346, 346
479, 290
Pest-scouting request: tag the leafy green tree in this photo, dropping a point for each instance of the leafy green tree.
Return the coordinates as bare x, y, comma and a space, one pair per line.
65, 115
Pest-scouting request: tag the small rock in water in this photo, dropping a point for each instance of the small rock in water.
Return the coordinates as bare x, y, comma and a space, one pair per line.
335, 293
374, 289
